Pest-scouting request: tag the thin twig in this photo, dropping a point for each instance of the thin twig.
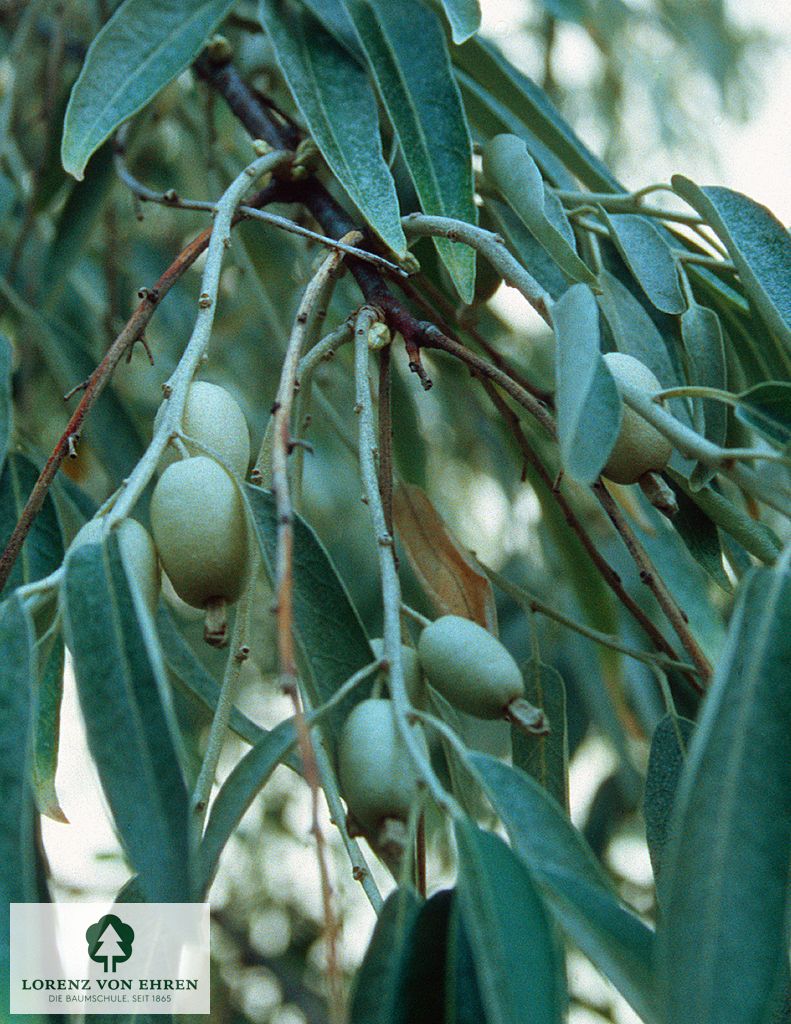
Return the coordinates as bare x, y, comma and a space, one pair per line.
284, 590
649, 575
174, 201
629, 203
533, 604
438, 307
391, 589
434, 338
386, 437
178, 384
694, 446
150, 298
491, 246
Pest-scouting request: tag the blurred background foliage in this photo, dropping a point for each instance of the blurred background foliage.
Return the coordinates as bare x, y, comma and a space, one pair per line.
72, 258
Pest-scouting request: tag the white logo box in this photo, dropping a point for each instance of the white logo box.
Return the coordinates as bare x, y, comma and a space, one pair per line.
105, 958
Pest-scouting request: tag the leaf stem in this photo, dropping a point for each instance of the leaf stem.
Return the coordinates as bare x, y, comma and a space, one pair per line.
629, 203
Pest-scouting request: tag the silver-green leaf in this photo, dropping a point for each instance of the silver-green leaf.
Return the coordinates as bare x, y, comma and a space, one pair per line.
572, 883
130, 725
6, 367
336, 99
758, 243
517, 960
703, 341
143, 47
17, 843
509, 166
405, 48
464, 17
649, 258
588, 404
725, 868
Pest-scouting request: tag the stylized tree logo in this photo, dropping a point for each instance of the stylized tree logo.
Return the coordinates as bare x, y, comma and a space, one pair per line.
110, 941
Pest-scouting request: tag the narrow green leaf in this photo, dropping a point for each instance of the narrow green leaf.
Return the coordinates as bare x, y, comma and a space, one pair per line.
189, 671
669, 746
758, 243
546, 758
572, 883
336, 99
335, 19
406, 53
703, 341
634, 331
17, 846
75, 224
327, 629
588, 404
128, 721
527, 249
649, 258
767, 408
377, 985
46, 729
144, 45
517, 961
490, 117
424, 970
484, 63
725, 866
509, 166
700, 535
6, 409
238, 791
42, 551
463, 1001
464, 17
567, 10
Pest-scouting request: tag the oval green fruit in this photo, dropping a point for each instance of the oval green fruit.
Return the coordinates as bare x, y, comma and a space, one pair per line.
639, 447
377, 777
213, 417
413, 677
469, 667
137, 551
198, 522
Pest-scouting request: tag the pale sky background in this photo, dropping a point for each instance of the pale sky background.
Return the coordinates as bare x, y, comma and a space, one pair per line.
752, 158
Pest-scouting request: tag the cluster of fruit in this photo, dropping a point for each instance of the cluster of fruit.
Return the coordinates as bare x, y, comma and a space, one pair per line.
197, 515
200, 538
464, 663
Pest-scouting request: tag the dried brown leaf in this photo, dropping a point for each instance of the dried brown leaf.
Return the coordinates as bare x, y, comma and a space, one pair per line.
450, 575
